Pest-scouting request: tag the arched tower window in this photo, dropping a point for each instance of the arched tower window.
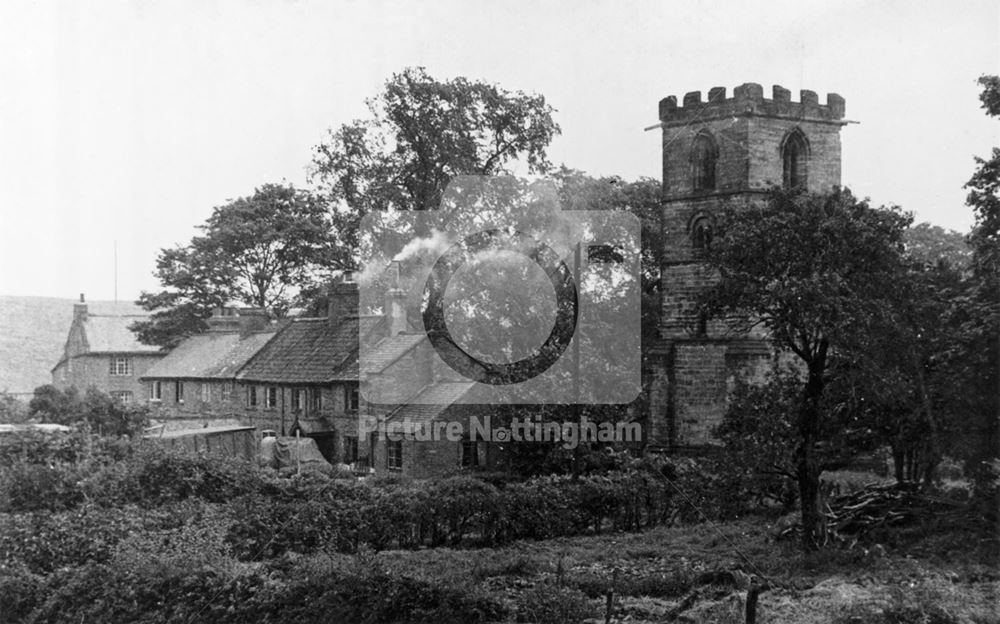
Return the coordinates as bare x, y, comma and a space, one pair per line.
704, 155
701, 232
795, 159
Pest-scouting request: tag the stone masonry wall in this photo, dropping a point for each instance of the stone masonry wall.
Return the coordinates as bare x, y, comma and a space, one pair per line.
697, 361
93, 369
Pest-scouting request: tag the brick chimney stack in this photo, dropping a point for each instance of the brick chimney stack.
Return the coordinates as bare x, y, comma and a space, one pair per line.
252, 320
395, 303
342, 302
80, 309
223, 320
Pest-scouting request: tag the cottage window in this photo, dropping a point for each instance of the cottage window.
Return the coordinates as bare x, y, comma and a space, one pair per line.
394, 454
296, 400
124, 396
155, 391
271, 398
794, 157
317, 399
121, 366
351, 399
227, 392
179, 391
350, 449
704, 155
470, 453
252, 397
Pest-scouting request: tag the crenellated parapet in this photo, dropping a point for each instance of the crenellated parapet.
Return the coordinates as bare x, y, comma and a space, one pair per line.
748, 100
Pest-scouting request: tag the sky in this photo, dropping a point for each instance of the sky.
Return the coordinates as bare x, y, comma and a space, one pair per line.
122, 124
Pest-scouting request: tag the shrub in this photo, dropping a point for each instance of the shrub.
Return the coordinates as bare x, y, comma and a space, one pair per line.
153, 476
121, 475
96, 410
548, 603
310, 514
36, 487
56, 448
12, 410
263, 528
40, 447
44, 542
457, 507
106, 593
198, 544
20, 591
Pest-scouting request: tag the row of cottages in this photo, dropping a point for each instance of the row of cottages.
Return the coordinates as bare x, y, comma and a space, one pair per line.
303, 376
102, 352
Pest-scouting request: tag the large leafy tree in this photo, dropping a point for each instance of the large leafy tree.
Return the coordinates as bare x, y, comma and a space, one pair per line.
981, 347
819, 272
95, 409
261, 251
894, 385
421, 133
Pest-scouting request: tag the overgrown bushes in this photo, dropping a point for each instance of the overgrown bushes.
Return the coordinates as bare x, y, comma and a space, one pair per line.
71, 513
105, 593
44, 542
114, 474
342, 516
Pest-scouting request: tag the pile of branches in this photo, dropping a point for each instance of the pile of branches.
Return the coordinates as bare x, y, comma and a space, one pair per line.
852, 516
855, 516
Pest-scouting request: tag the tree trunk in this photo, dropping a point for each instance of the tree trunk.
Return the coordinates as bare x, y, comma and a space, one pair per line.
898, 457
933, 442
807, 465
807, 472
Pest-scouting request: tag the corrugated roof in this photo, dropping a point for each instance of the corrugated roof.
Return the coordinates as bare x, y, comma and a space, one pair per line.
431, 402
388, 350
180, 433
310, 350
213, 355
110, 334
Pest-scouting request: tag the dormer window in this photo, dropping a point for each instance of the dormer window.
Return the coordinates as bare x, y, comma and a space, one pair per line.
704, 155
795, 158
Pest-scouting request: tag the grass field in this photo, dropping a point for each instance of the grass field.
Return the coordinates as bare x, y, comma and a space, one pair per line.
652, 572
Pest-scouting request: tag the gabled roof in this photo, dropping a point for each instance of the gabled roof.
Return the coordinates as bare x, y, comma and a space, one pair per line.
110, 334
212, 355
311, 351
388, 350
431, 402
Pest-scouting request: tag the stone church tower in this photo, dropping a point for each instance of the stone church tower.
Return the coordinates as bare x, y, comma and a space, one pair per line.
717, 151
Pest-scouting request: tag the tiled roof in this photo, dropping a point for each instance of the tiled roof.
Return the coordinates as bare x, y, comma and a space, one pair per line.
110, 334
431, 402
213, 355
388, 350
310, 350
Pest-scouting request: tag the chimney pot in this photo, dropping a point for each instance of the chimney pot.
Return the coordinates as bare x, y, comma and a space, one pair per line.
80, 310
395, 302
